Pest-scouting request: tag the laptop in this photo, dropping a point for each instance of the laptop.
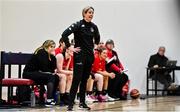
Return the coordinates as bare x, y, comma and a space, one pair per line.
171, 63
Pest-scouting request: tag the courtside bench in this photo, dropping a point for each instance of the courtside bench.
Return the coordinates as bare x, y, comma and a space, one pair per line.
9, 59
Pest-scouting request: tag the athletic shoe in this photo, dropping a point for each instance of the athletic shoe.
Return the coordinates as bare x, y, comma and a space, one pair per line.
94, 98
64, 102
110, 98
50, 103
76, 101
70, 108
173, 86
90, 98
101, 98
84, 106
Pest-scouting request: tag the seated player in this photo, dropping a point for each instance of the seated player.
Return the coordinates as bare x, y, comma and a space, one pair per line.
64, 70
41, 69
118, 87
98, 74
100, 45
90, 97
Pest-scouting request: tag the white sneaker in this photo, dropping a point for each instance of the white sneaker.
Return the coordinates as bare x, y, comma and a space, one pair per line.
89, 99
50, 103
173, 86
109, 98
76, 100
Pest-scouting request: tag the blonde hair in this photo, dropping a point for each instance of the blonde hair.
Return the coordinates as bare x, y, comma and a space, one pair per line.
45, 45
85, 10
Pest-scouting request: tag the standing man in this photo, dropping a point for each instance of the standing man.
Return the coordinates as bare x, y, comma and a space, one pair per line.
85, 35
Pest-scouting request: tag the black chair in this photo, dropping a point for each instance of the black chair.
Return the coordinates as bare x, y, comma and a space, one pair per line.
154, 87
15, 59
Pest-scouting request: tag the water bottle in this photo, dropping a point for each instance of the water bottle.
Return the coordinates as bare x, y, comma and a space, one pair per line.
57, 97
33, 99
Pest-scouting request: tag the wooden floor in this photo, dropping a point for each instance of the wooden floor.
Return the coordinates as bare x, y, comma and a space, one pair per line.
168, 103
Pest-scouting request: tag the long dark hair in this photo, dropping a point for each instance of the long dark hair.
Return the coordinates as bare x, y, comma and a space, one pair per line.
60, 41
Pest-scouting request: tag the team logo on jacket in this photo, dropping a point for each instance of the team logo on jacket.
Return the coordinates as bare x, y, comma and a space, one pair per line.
72, 25
82, 25
92, 30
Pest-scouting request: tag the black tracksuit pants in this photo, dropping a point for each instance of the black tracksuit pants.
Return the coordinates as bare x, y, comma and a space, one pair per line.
82, 68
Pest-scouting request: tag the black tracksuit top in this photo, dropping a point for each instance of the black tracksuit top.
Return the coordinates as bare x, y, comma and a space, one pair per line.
85, 35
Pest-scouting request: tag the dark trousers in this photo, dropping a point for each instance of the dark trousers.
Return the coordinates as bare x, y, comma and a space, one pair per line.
82, 68
43, 78
115, 85
163, 78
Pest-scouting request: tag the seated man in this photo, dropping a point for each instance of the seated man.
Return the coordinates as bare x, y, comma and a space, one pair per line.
160, 60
